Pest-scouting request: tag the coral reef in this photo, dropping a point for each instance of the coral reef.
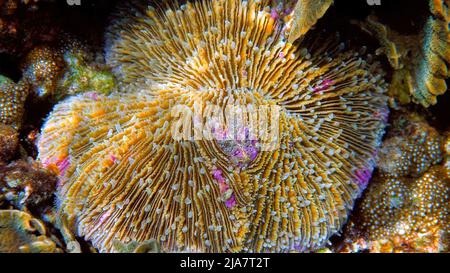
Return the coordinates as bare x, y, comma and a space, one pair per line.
406, 208
25, 184
125, 177
57, 72
42, 67
20, 232
420, 68
12, 102
412, 147
9, 143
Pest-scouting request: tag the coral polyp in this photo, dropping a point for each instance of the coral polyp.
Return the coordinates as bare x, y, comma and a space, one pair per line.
406, 208
12, 101
126, 176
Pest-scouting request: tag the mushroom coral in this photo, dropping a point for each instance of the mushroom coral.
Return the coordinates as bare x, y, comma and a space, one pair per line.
126, 175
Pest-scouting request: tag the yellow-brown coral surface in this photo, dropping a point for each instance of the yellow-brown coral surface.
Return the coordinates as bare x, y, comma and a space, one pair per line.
420, 61
125, 177
20, 232
305, 15
12, 101
406, 208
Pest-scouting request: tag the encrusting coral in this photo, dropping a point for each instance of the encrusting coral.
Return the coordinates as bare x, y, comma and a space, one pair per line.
9, 143
420, 61
56, 72
126, 176
52, 73
411, 148
12, 102
21, 232
406, 207
42, 67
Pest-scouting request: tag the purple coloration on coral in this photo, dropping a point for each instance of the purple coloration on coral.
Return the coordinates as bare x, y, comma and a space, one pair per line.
363, 176
274, 14
92, 95
63, 165
323, 86
224, 188
252, 152
217, 174
231, 202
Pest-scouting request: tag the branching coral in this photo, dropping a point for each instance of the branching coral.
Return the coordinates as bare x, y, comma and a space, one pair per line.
420, 61
125, 176
20, 232
406, 208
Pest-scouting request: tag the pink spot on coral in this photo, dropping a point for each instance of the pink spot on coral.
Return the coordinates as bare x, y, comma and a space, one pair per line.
63, 164
363, 176
113, 158
274, 14
58, 165
231, 202
217, 174
105, 215
224, 187
92, 95
323, 86
281, 55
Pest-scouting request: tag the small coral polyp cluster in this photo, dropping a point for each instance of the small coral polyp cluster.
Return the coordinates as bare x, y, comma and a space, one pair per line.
125, 180
406, 208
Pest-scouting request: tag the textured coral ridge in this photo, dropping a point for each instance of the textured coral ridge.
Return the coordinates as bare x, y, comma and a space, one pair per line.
124, 178
421, 68
406, 208
20, 232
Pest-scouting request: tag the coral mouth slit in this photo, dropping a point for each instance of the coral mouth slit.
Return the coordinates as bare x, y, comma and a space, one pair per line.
207, 195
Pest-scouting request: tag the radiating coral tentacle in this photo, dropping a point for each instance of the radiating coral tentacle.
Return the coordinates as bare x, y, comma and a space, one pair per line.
131, 179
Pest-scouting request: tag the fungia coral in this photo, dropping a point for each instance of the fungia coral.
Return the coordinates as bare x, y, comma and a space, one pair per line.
125, 176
